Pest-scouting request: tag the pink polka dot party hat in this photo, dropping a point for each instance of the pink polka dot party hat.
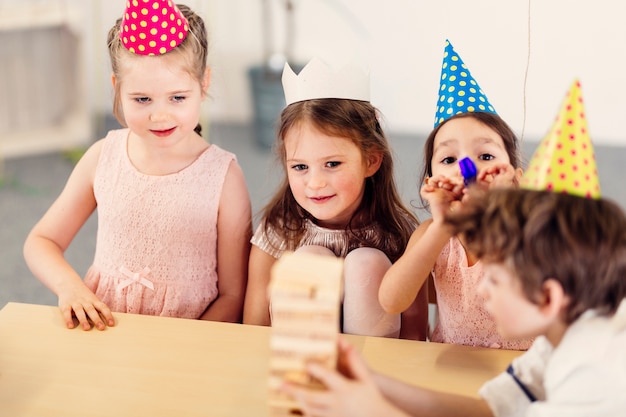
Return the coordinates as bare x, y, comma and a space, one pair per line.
152, 27
565, 160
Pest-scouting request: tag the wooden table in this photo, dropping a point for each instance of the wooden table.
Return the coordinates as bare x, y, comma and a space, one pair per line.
155, 366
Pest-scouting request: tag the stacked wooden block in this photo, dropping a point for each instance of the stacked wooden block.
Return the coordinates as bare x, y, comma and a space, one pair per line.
305, 294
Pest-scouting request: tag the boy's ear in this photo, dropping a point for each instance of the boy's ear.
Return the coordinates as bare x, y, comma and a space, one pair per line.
553, 299
518, 175
374, 161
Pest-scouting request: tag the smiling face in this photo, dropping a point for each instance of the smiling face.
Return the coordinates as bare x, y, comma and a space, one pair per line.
159, 97
326, 174
466, 137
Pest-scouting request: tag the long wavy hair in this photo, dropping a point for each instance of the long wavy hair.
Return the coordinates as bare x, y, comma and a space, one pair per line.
358, 122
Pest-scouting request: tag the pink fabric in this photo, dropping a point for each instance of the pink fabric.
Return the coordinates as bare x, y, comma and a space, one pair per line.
462, 319
156, 231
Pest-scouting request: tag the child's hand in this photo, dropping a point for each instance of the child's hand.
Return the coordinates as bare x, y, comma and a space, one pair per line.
443, 194
498, 176
80, 302
352, 394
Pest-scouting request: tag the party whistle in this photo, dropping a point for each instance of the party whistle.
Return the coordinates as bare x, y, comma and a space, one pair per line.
468, 170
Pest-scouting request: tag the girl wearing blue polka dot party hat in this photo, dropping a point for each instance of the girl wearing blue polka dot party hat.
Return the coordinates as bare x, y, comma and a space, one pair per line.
174, 215
468, 133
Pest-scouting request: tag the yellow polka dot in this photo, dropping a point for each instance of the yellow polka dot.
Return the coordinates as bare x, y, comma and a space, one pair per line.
155, 19
482, 99
481, 107
134, 15
131, 49
453, 68
142, 48
463, 83
445, 65
163, 37
460, 103
181, 35
152, 44
134, 39
125, 28
164, 25
164, 11
451, 89
473, 82
470, 108
173, 44
449, 111
127, 16
454, 58
125, 39
143, 24
452, 78
144, 11
127, 4
142, 36
155, 5
162, 50
443, 87
133, 26
135, 3
444, 76
472, 99
450, 100
461, 93
179, 22
472, 90
173, 30
463, 74
153, 31
172, 17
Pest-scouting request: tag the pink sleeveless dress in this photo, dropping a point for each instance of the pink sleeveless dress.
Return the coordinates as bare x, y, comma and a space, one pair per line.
157, 235
462, 318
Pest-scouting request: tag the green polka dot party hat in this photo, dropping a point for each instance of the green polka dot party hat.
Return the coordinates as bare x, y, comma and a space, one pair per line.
152, 27
458, 90
564, 161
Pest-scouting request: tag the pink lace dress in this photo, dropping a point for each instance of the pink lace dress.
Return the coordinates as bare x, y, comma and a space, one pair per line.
157, 235
462, 319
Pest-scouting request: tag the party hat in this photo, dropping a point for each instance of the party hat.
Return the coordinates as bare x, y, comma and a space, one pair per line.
152, 27
565, 161
319, 80
458, 90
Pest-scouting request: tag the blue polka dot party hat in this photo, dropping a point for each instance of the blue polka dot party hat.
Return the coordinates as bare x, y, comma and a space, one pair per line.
458, 90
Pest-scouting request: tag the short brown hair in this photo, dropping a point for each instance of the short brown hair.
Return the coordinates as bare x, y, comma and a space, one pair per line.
578, 241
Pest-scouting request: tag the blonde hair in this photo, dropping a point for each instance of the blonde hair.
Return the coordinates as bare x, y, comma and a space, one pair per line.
193, 51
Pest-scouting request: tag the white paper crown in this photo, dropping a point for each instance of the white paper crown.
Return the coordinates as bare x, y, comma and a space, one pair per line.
318, 80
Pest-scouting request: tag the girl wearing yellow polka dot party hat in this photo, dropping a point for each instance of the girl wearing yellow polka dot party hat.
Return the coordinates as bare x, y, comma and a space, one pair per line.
174, 215
470, 144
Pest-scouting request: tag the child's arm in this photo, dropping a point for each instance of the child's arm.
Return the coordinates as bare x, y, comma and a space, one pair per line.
257, 307
234, 229
51, 236
408, 274
356, 391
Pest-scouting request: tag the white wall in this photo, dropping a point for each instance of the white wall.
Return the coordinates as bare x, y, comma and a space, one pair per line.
403, 41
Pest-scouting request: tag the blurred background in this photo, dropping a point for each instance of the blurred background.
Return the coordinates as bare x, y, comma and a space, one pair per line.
55, 89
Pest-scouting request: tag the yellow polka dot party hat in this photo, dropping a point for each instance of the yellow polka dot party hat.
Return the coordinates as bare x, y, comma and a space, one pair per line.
565, 161
152, 27
458, 90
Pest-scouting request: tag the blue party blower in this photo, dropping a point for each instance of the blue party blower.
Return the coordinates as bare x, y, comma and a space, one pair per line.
468, 170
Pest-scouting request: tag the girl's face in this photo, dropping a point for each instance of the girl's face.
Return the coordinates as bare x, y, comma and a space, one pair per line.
160, 99
326, 174
466, 137
516, 317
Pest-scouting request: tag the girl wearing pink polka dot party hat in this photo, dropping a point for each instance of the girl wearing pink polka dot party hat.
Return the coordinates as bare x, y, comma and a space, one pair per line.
555, 261
174, 215
468, 136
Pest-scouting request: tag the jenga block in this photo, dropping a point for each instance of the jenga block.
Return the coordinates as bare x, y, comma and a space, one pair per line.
305, 295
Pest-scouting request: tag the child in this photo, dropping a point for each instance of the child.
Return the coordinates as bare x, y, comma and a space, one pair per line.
338, 198
462, 129
541, 248
174, 215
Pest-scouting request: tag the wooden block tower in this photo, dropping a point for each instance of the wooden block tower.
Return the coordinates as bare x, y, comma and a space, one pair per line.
305, 293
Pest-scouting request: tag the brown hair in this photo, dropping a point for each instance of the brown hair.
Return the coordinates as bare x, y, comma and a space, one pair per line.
358, 122
580, 242
493, 121
193, 51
